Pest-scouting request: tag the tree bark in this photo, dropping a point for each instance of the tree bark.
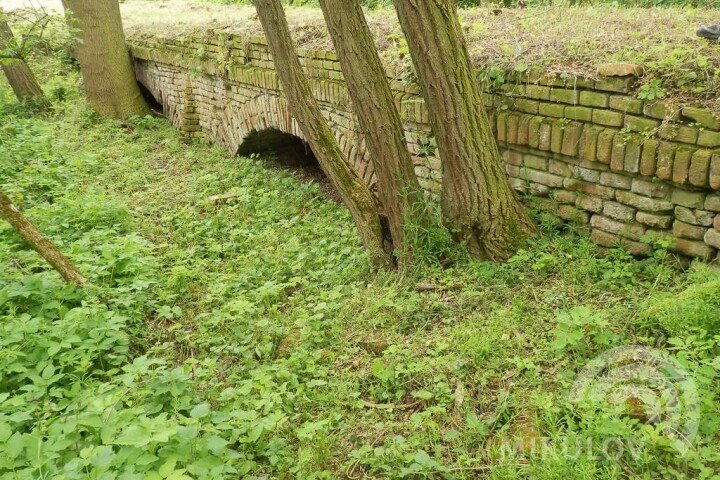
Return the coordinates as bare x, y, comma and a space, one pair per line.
20, 77
108, 74
39, 242
354, 193
477, 202
398, 187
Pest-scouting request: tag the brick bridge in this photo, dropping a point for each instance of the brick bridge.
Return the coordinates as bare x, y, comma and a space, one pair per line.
586, 150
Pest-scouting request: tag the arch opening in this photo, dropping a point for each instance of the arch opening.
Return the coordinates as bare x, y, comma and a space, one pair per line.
289, 152
155, 106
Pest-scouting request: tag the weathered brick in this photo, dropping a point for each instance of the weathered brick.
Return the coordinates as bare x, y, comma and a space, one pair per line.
655, 221
712, 202
640, 124
502, 126
665, 158
700, 168
587, 174
565, 196
709, 138
608, 118
626, 104
615, 180
702, 117
650, 188
588, 142
527, 105
618, 211
523, 136
643, 203
712, 237
552, 110
589, 203
648, 157
633, 231
695, 217
512, 129
570, 213
565, 95
590, 188
681, 165
617, 160
543, 178
545, 136
605, 146
556, 137
583, 114
512, 157
571, 139
687, 198
594, 99
537, 92
714, 177
685, 230
678, 133
538, 163
716, 222
632, 155
660, 111
539, 190
692, 248
534, 132
610, 240
615, 84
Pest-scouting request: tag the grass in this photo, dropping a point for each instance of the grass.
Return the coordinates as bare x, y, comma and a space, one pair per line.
251, 339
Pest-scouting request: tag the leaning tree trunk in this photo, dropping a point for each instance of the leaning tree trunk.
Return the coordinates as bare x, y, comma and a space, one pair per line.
39, 242
107, 70
20, 77
477, 201
399, 190
353, 191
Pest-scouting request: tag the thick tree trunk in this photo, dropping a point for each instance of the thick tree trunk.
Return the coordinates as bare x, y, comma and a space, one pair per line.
107, 70
19, 75
477, 201
399, 190
353, 191
39, 242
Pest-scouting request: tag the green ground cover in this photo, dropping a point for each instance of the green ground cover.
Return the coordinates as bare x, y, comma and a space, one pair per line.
251, 340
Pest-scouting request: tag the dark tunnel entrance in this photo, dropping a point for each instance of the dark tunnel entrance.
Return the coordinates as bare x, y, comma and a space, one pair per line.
288, 152
155, 106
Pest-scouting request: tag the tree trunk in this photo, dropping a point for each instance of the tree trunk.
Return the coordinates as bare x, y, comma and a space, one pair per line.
353, 191
39, 242
477, 201
19, 75
399, 190
107, 70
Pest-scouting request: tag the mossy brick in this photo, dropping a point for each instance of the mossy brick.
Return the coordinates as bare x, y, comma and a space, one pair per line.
700, 168
572, 214
539, 190
640, 124
654, 189
523, 136
644, 203
702, 117
648, 157
653, 220
708, 138
714, 179
583, 114
632, 231
513, 89
685, 230
535, 162
665, 159
605, 145
594, 99
712, 202
543, 178
557, 134
545, 136
512, 128
588, 142
552, 110
632, 155
687, 198
565, 196
615, 180
537, 92
615, 84
527, 106
558, 167
678, 133
534, 132
681, 165
661, 111
608, 118
695, 216
565, 95
617, 159
618, 211
692, 248
587, 174
589, 203
502, 127
712, 237
571, 139
626, 104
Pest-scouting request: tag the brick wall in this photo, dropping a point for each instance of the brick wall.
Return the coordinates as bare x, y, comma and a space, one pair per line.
586, 150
